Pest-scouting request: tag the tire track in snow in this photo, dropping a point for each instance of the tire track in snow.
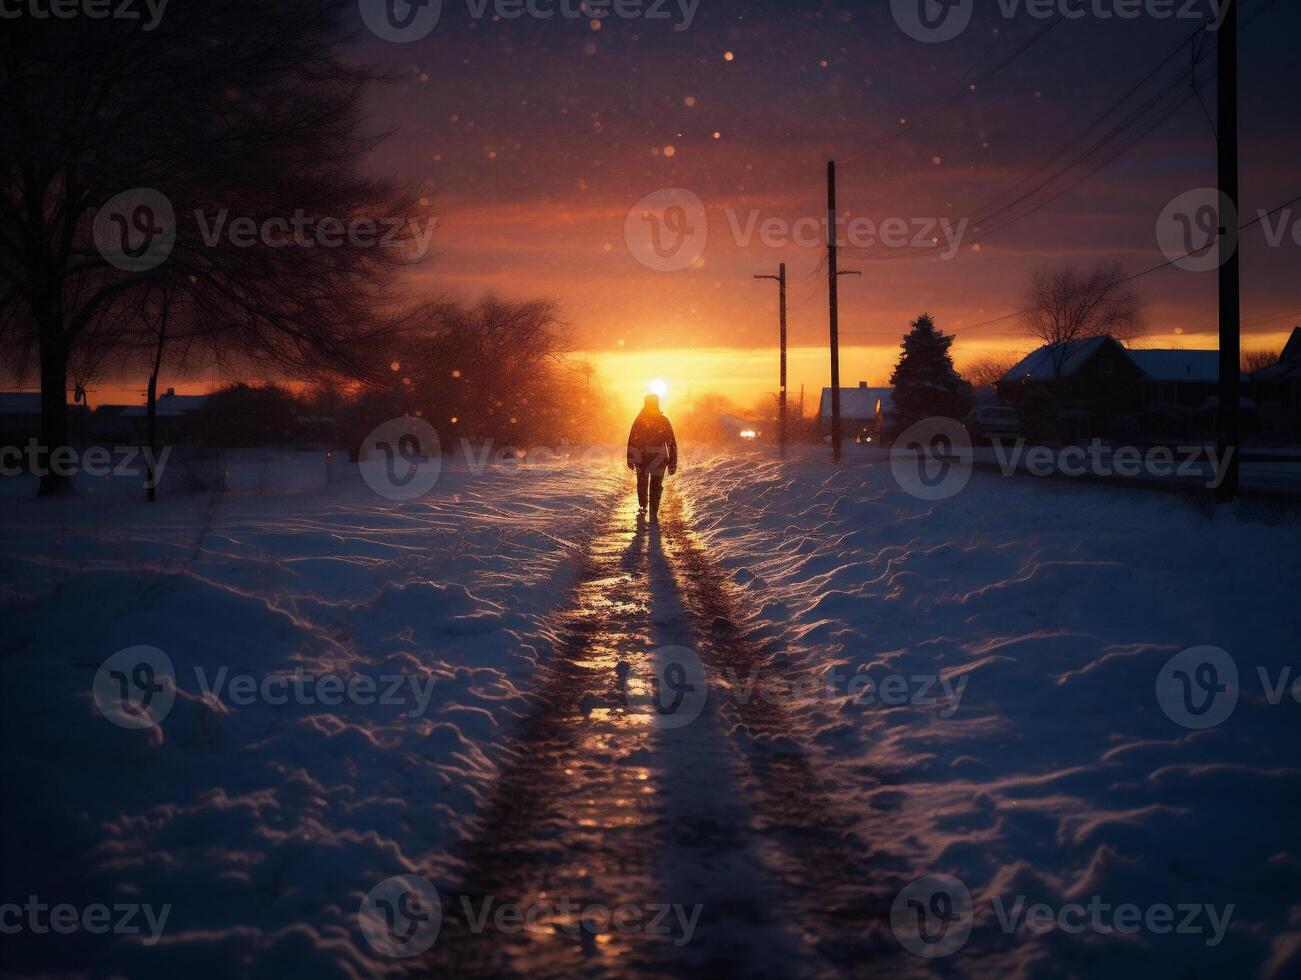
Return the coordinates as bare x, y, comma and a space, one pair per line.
599, 805
571, 818
833, 888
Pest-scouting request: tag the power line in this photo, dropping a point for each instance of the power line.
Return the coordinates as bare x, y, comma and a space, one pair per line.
1147, 272
985, 218
916, 121
1157, 109
1168, 88
1206, 111
1112, 108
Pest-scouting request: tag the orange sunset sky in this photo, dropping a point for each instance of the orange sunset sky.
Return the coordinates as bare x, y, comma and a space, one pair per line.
535, 140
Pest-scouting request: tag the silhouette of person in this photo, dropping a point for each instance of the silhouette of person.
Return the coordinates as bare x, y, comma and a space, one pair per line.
652, 451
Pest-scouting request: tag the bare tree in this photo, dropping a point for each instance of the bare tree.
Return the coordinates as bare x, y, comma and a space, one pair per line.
1258, 360
987, 372
1070, 304
493, 370
702, 421
240, 111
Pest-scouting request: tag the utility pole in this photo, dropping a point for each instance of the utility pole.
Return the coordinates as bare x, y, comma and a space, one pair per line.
833, 298
1230, 265
781, 398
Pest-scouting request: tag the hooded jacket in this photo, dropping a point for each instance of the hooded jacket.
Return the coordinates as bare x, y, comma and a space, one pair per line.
651, 443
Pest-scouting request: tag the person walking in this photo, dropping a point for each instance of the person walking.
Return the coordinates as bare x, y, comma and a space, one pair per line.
652, 452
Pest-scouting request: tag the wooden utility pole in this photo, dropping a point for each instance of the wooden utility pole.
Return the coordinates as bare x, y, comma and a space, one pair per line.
1227, 434
151, 411
781, 397
833, 299
833, 296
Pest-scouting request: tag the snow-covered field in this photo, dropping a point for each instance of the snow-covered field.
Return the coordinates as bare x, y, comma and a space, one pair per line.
1039, 616
263, 824
1022, 748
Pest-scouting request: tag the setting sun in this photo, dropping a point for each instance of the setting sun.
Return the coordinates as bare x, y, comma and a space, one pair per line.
658, 387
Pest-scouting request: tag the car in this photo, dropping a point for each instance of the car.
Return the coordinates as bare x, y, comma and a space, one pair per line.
990, 422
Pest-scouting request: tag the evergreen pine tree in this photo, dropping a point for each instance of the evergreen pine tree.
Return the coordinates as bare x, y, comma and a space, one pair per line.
925, 382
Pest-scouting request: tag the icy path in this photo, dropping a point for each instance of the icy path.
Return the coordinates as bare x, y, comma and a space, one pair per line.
611, 803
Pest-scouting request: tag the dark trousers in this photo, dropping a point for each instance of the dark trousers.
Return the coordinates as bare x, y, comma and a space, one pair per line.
655, 483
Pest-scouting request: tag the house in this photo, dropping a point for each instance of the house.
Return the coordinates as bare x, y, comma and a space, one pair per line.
1089, 383
170, 405
1278, 391
20, 418
864, 411
1097, 387
1180, 390
317, 430
110, 426
177, 416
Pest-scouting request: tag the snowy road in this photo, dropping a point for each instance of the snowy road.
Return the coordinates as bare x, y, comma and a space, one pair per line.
727, 744
615, 801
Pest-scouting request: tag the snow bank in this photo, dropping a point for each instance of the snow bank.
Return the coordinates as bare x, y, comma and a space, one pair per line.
258, 809
1049, 770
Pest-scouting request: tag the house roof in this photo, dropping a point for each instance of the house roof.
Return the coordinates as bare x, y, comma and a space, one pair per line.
858, 403
1178, 365
1041, 364
160, 411
1201, 366
183, 403
27, 403
1282, 370
168, 406
19, 403
1292, 349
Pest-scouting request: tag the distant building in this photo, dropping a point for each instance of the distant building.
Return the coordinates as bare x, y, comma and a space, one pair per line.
20, 413
1180, 390
177, 416
20, 418
170, 405
864, 411
1097, 386
1090, 383
110, 426
1278, 391
317, 430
